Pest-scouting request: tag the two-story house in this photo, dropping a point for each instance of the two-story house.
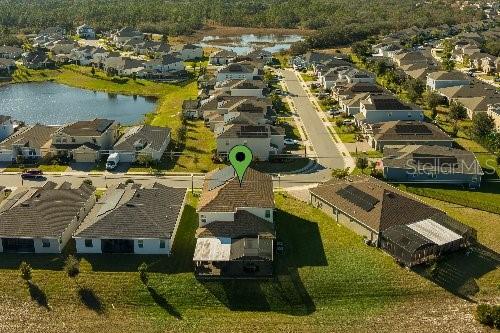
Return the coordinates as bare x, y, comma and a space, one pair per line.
238, 71
85, 141
85, 31
442, 79
28, 143
381, 108
236, 232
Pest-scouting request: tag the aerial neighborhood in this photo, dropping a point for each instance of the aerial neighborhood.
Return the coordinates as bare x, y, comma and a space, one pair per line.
374, 168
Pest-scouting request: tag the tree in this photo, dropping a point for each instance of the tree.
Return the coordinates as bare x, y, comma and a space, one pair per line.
26, 271
143, 273
457, 111
454, 130
482, 125
414, 89
92, 70
362, 50
72, 267
431, 100
145, 160
447, 64
340, 173
361, 163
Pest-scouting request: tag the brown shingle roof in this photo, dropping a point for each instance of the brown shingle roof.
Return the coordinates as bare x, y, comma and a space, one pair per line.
245, 224
401, 130
392, 206
256, 190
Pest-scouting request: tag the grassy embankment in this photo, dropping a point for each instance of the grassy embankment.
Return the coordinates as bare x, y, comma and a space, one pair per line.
199, 140
328, 280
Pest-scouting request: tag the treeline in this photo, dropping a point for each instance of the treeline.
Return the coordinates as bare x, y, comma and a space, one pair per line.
338, 22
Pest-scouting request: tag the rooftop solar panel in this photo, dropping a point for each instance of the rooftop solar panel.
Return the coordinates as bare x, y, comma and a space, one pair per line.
358, 198
412, 129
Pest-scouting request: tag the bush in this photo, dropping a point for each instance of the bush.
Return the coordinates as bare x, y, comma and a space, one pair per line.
143, 273
88, 182
361, 163
25, 270
488, 315
339, 122
72, 266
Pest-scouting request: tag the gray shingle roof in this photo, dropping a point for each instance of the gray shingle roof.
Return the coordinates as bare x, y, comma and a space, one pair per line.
42, 212
135, 213
143, 136
245, 224
34, 136
408, 131
94, 127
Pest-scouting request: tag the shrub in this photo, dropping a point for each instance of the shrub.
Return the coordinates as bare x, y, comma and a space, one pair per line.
88, 182
339, 122
25, 270
72, 266
361, 163
340, 173
488, 315
143, 273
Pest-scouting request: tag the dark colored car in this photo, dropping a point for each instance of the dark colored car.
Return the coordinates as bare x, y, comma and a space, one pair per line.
33, 174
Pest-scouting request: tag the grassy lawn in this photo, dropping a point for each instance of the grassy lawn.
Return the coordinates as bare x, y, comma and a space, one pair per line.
308, 77
286, 166
368, 154
43, 167
331, 282
486, 198
345, 133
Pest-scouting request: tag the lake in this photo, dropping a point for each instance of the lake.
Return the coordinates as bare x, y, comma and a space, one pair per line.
244, 44
56, 104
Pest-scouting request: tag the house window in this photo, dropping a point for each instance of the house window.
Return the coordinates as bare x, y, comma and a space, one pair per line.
88, 243
94, 140
268, 213
73, 140
140, 243
45, 243
203, 219
162, 244
64, 140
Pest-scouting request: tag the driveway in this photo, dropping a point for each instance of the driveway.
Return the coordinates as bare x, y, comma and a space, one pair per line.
328, 154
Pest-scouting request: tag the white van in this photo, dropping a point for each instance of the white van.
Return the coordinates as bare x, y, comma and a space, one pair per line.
112, 161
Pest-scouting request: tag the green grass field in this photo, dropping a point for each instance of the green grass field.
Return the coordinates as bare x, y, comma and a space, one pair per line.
328, 280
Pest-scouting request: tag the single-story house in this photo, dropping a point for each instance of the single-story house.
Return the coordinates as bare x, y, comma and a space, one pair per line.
222, 57
142, 140
442, 79
406, 133
132, 219
405, 227
236, 232
122, 66
30, 143
431, 164
42, 220
479, 104
406, 58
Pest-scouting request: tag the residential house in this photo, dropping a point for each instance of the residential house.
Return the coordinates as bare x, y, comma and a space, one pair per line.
28, 143
265, 141
311, 58
222, 57
388, 50
357, 76
478, 104
351, 104
10, 52
6, 127
343, 91
239, 71
132, 219
407, 58
236, 232
244, 88
494, 112
405, 227
126, 34
222, 104
191, 109
332, 77
431, 164
189, 51
37, 59
406, 133
122, 66
442, 79
84, 55
490, 65
151, 48
161, 67
86, 140
85, 31
260, 55
475, 89
476, 60
7, 66
143, 140
378, 108
42, 220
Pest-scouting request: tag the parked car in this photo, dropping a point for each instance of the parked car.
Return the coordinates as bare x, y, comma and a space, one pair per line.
288, 141
348, 122
33, 174
334, 112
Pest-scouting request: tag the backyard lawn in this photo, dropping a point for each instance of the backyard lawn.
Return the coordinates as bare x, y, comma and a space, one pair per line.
328, 280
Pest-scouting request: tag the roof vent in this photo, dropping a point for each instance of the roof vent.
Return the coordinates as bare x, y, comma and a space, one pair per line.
129, 204
25, 204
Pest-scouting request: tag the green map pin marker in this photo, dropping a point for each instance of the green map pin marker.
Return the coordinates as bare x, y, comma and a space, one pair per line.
240, 157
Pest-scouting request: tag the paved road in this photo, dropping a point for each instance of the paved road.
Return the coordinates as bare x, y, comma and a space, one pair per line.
328, 154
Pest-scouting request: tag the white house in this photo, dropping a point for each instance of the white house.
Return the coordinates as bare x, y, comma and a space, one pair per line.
167, 63
265, 141
442, 79
30, 143
85, 31
236, 225
222, 57
243, 88
382, 108
189, 51
133, 219
42, 220
238, 71
6, 127
142, 140
122, 66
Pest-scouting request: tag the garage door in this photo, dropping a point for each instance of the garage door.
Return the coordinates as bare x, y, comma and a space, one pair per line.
5, 156
18, 245
85, 157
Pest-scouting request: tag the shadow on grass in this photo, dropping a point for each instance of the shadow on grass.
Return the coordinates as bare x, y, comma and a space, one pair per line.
164, 304
38, 295
458, 272
285, 292
91, 300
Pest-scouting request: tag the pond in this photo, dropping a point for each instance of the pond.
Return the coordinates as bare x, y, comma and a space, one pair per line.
244, 44
56, 104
